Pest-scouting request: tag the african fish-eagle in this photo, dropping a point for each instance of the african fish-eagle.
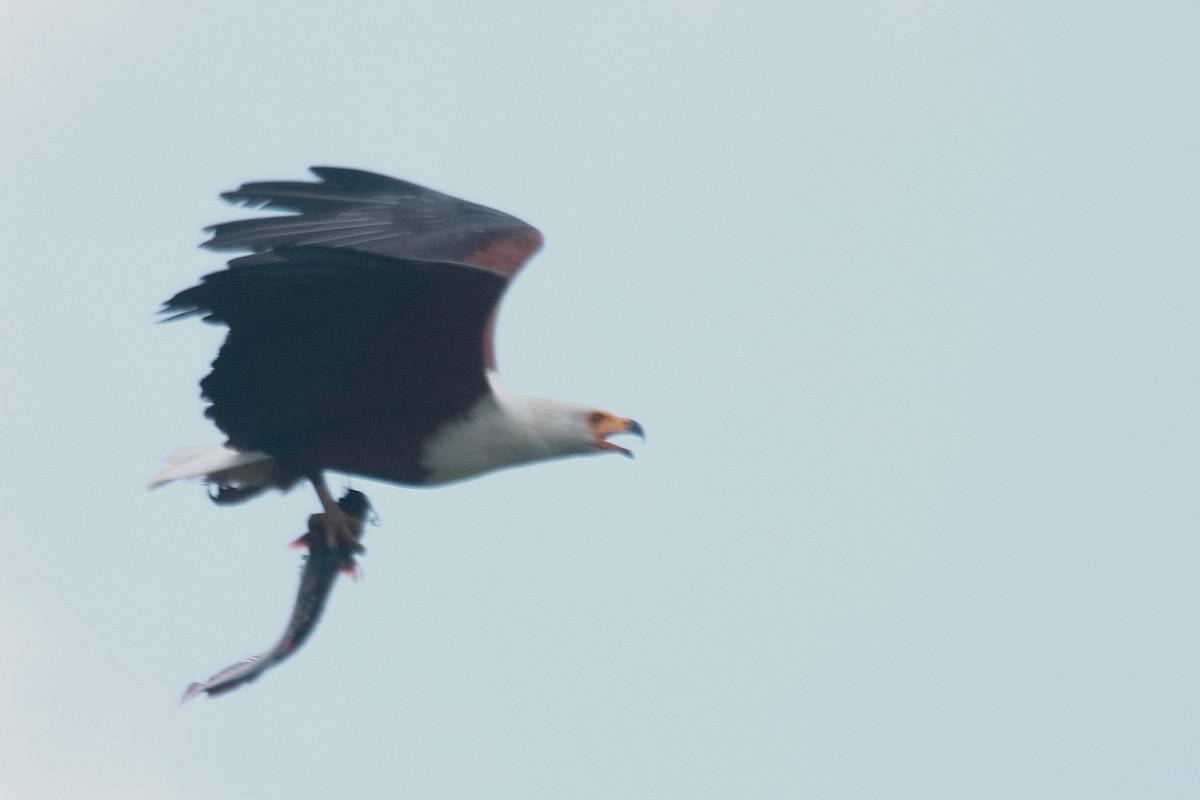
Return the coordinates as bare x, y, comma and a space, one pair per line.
361, 341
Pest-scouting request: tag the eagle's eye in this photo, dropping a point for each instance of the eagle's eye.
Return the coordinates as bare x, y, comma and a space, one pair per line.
596, 418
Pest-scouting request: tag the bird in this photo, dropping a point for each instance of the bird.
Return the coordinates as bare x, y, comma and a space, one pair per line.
361, 324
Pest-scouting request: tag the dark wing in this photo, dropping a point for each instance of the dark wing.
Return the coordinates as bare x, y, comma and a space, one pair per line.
325, 339
376, 214
371, 213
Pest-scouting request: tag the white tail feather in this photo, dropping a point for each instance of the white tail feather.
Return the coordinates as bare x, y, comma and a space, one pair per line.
216, 464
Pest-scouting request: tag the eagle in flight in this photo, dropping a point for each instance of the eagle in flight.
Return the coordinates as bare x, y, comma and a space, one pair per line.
361, 341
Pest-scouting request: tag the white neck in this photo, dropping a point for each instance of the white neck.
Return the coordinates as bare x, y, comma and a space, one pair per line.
505, 429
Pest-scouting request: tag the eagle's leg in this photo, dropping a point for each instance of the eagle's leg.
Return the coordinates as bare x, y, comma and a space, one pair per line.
341, 529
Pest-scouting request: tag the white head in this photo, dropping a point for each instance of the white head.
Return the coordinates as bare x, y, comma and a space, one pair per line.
566, 429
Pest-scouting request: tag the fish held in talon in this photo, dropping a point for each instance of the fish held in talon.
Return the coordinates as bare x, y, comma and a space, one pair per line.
321, 568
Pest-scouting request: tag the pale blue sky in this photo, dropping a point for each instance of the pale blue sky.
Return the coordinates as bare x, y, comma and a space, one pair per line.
904, 294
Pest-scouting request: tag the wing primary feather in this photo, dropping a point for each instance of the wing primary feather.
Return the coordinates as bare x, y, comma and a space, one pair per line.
373, 213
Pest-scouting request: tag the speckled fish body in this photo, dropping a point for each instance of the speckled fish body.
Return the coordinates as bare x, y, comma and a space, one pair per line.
320, 572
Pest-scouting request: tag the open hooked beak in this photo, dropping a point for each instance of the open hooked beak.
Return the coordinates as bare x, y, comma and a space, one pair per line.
605, 425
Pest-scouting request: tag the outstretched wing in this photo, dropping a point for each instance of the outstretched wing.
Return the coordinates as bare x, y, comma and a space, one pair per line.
371, 213
332, 348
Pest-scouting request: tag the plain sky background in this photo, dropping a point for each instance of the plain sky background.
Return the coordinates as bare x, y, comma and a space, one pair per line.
905, 294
